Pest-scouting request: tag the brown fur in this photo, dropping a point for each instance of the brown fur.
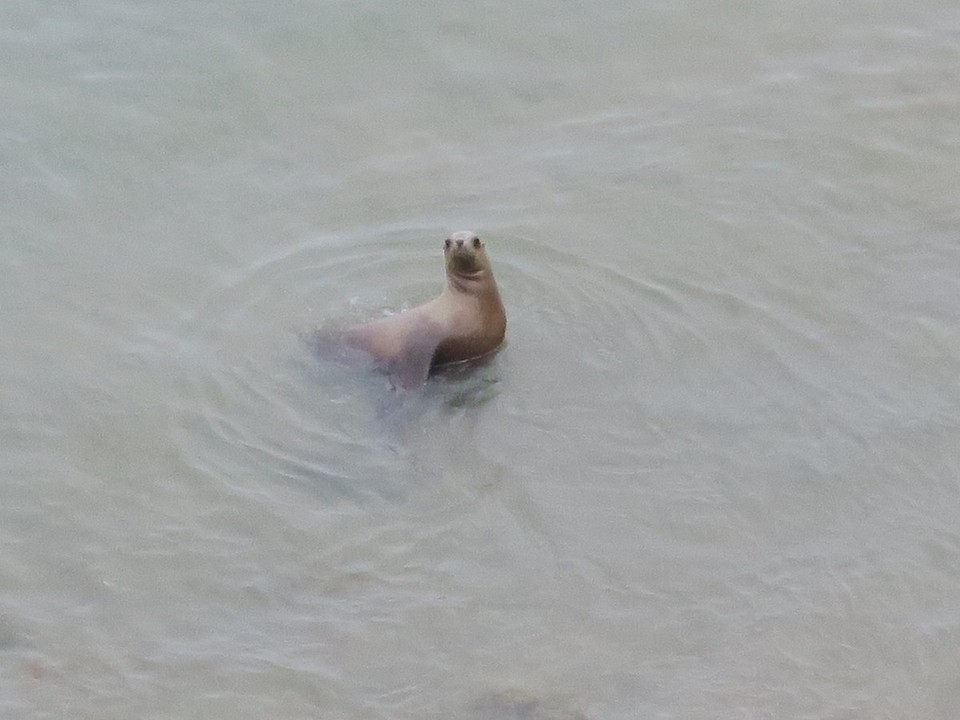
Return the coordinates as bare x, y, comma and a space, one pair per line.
465, 322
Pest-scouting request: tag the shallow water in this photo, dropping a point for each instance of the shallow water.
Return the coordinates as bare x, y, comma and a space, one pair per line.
712, 474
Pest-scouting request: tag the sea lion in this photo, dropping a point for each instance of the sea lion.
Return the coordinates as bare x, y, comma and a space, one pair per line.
465, 322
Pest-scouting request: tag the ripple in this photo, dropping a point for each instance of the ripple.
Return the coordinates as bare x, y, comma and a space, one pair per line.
593, 354
588, 324
261, 405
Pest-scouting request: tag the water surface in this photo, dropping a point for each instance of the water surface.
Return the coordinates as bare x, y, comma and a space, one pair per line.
712, 474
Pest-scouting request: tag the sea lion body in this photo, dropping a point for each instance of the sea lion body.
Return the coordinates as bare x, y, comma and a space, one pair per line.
465, 322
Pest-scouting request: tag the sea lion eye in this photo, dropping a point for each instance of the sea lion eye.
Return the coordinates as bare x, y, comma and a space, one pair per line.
447, 243
477, 243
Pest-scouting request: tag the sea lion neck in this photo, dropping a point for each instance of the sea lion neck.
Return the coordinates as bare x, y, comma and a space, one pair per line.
469, 281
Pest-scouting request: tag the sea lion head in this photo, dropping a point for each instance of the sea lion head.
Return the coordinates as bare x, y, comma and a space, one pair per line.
465, 255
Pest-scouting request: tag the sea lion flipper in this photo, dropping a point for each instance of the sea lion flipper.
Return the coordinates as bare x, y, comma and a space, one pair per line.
412, 366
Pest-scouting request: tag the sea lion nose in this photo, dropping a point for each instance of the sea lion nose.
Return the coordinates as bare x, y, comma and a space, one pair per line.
459, 242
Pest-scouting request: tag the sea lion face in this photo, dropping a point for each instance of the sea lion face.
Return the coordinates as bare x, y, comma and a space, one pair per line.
465, 254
